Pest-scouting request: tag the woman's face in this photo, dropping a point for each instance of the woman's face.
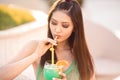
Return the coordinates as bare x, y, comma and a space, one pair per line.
61, 26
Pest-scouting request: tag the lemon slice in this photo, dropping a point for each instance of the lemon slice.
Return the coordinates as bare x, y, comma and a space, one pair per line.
62, 63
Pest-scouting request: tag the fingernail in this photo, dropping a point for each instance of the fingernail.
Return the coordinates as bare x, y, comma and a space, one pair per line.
55, 44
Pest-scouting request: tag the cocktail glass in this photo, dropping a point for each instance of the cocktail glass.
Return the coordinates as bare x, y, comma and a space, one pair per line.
51, 71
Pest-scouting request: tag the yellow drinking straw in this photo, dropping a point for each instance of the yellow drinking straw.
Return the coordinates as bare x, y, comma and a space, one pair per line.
52, 51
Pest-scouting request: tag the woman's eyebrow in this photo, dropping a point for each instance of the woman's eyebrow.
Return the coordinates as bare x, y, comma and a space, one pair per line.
65, 22
53, 19
56, 20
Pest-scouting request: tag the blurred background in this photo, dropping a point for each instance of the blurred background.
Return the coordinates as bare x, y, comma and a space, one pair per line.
102, 29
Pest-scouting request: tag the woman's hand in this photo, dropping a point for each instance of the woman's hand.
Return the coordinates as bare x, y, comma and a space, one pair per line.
43, 46
63, 76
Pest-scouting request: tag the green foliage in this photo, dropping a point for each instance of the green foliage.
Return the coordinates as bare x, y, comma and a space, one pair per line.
11, 17
6, 21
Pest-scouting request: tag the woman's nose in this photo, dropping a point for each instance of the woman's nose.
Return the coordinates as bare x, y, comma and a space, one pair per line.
58, 29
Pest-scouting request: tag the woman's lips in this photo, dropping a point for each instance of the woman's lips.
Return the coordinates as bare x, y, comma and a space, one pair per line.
57, 36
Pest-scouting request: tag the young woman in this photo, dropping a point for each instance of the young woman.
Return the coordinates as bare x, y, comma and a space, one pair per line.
64, 21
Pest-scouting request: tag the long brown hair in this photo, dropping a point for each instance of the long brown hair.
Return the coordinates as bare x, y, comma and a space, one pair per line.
77, 39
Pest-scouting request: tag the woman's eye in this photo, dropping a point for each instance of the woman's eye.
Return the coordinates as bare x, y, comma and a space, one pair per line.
65, 26
53, 23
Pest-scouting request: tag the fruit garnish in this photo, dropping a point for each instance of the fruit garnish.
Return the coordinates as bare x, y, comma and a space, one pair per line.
62, 63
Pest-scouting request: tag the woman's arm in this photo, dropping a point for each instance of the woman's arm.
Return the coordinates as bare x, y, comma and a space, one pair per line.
20, 62
28, 55
10, 71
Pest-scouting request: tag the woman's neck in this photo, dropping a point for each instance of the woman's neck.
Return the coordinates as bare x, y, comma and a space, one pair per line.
63, 51
62, 46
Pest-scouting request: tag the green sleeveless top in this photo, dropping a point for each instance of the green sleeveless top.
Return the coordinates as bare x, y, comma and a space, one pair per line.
71, 73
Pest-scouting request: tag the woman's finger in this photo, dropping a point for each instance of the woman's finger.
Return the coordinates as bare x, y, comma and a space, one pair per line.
63, 75
51, 41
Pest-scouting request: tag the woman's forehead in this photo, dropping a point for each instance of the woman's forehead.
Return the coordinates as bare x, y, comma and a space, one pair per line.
61, 16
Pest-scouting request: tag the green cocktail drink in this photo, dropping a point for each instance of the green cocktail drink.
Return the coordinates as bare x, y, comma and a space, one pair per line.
51, 71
